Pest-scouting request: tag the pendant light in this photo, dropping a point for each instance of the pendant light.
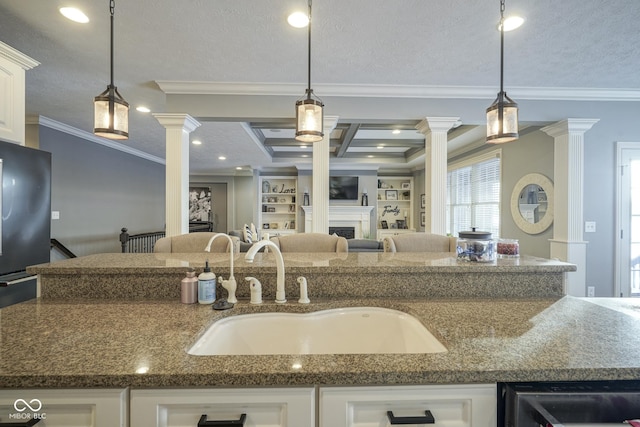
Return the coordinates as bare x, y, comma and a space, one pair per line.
502, 115
309, 117
111, 111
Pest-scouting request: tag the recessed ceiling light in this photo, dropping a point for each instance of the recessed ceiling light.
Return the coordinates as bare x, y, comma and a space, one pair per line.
305, 155
380, 147
298, 19
75, 15
512, 22
303, 146
238, 168
370, 156
196, 142
395, 131
222, 158
143, 109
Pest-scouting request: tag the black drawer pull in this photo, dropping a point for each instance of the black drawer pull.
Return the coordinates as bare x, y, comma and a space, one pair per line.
231, 423
427, 419
27, 423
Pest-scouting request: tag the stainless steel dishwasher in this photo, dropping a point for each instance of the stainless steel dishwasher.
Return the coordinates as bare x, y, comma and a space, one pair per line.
568, 404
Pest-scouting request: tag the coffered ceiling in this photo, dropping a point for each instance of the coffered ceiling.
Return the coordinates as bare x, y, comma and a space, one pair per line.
379, 66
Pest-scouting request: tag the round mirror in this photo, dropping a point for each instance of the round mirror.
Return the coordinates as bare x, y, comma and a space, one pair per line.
532, 203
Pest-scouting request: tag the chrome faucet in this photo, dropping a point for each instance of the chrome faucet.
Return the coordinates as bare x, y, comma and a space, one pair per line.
230, 285
251, 253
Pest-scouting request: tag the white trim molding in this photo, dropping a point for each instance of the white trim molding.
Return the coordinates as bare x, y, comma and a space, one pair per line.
174, 87
61, 127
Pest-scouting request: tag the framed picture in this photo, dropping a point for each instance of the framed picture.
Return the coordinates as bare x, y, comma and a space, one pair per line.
265, 226
422, 201
384, 224
273, 226
405, 185
286, 225
391, 194
422, 219
199, 203
292, 208
401, 224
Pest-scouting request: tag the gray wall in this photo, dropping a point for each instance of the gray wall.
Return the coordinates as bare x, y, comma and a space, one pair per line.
618, 122
98, 190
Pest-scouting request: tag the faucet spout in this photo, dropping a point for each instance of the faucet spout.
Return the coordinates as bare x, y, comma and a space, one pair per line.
231, 283
251, 253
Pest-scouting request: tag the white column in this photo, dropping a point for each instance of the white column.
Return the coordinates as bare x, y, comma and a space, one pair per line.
320, 178
435, 171
178, 127
568, 174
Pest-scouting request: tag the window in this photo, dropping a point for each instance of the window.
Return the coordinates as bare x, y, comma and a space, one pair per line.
473, 195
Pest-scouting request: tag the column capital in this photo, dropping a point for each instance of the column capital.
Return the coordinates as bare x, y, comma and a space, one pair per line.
567, 126
437, 124
329, 123
177, 120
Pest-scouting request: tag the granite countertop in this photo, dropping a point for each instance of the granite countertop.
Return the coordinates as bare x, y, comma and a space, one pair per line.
118, 343
166, 263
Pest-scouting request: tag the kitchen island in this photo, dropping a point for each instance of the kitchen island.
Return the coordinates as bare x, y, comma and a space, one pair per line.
84, 334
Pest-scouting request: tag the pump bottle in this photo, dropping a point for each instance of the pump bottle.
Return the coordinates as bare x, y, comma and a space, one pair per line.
206, 286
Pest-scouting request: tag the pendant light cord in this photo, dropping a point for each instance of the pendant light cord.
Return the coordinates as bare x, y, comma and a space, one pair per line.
112, 9
309, 56
502, 46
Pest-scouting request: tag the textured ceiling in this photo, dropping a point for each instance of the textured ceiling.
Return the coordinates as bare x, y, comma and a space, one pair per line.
393, 48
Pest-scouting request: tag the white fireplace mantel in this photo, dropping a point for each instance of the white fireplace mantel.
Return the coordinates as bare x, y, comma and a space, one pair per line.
358, 217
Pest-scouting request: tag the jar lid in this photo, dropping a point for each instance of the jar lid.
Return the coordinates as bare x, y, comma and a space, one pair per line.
476, 235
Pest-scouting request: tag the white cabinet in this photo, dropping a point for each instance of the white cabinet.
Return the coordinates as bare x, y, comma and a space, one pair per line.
12, 86
278, 205
65, 407
449, 405
394, 205
290, 407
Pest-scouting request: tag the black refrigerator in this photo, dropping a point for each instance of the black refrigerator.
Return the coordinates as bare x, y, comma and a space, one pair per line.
25, 228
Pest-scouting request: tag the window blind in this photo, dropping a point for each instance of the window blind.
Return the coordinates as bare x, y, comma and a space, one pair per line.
473, 196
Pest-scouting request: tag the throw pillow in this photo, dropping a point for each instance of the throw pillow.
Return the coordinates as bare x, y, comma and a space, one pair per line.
254, 232
246, 234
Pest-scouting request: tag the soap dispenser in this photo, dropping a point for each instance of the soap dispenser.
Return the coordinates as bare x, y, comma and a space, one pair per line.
206, 285
189, 287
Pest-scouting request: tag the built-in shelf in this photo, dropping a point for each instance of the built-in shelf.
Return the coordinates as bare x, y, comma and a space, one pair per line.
278, 205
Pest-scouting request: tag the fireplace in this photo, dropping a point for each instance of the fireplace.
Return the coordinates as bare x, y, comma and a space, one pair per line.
356, 218
346, 232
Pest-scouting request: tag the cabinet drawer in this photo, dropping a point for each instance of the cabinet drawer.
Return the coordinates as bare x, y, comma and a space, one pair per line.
291, 407
450, 406
65, 407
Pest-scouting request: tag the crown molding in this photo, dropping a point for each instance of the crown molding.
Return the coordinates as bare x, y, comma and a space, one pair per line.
17, 57
61, 127
172, 87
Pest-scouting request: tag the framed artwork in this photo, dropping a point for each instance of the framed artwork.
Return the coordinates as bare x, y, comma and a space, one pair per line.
199, 203
422, 201
422, 219
391, 194
405, 185
401, 224
384, 224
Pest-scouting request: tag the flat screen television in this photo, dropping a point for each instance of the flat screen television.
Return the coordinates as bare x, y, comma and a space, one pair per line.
343, 188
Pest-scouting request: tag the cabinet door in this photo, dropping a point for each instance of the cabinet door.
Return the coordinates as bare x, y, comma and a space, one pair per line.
290, 407
65, 407
450, 405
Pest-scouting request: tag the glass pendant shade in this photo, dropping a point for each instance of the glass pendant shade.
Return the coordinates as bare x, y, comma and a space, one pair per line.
111, 114
502, 120
309, 120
